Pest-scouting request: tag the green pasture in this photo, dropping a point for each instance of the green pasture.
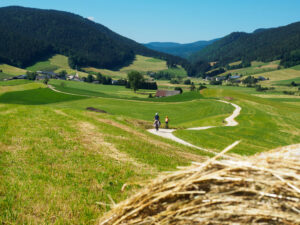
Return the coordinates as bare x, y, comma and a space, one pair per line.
5, 76
14, 82
61, 164
11, 70
255, 68
263, 124
55, 63
142, 64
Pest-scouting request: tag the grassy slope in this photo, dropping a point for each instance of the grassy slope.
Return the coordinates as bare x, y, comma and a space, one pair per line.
56, 64
11, 70
141, 63
98, 90
255, 68
58, 160
263, 124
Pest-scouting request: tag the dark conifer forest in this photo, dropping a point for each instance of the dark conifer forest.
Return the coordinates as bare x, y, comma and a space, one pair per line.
29, 34
261, 45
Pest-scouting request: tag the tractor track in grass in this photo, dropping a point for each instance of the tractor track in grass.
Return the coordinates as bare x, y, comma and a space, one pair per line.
230, 122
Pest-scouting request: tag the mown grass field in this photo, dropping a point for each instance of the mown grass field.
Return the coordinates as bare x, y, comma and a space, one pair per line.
255, 68
55, 63
61, 164
142, 64
263, 124
11, 70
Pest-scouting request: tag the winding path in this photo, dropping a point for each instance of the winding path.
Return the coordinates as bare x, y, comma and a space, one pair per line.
230, 122
168, 133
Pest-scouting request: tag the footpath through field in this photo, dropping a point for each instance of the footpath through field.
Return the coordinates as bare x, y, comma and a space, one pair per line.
168, 133
230, 122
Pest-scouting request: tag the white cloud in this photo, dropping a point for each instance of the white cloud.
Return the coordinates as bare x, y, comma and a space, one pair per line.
91, 18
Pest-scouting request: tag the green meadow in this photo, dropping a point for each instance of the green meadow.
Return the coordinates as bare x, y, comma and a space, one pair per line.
63, 164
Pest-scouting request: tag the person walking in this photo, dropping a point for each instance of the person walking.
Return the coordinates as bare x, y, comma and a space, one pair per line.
156, 121
167, 122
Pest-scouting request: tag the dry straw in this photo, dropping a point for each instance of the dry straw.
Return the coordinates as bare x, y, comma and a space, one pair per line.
264, 189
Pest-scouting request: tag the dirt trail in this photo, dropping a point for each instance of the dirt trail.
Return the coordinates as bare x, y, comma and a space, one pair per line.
230, 122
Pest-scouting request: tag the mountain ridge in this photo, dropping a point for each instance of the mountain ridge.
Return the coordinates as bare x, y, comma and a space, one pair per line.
178, 49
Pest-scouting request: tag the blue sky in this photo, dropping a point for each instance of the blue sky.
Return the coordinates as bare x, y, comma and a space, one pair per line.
181, 21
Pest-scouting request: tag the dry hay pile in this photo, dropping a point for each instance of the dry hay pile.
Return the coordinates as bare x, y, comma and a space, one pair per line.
259, 190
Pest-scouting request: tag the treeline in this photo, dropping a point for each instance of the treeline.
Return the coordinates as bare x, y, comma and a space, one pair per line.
98, 78
291, 59
266, 45
243, 64
29, 34
161, 75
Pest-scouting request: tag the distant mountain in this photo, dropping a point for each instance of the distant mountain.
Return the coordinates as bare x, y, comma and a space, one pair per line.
182, 50
262, 44
28, 34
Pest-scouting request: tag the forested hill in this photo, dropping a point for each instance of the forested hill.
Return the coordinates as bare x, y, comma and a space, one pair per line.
263, 45
28, 34
182, 50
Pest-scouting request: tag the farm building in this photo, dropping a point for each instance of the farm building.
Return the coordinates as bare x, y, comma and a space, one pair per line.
165, 93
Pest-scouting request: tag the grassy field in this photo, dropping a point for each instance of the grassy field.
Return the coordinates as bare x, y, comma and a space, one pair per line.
255, 68
55, 63
58, 161
61, 164
263, 124
142, 64
4, 76
97, 90
11, 70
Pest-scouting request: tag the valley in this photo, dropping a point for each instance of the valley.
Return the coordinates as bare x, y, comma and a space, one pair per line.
78, 104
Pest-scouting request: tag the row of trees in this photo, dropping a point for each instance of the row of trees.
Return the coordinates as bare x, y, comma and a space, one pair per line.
136, 81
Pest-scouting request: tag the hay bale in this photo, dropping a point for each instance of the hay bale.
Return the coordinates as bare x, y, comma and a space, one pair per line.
264, 189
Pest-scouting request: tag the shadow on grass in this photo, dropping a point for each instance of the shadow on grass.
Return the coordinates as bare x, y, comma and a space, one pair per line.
39, 96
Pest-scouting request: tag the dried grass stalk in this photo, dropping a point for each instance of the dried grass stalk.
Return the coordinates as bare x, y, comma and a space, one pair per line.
263, 189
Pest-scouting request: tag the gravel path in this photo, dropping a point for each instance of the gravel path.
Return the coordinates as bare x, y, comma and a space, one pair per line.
230, 122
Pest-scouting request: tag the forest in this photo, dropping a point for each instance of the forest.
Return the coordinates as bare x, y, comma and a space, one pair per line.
262, 45
30, 34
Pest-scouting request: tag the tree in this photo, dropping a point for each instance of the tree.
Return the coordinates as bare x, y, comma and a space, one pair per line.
192, 87
31, 75
201, 87
46, 80
188, 81
99, 77
135, 79
62, 74
90, 78
178, 89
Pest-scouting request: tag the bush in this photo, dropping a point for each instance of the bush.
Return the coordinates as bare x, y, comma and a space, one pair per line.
188, 81
174, 81
214, 82
201, 87
178, 89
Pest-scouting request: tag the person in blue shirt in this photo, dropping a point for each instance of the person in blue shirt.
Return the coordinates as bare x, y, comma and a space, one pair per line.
156, 117
156, 121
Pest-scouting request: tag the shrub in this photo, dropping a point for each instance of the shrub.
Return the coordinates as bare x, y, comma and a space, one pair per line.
178, 89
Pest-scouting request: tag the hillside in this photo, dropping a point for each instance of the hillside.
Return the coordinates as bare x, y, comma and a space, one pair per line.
261, 45
182, 50
46, 32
